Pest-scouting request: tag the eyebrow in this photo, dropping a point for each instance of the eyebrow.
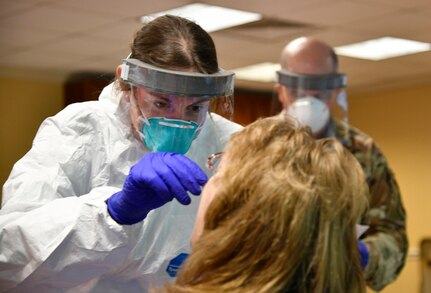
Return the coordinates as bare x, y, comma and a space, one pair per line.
159, 96
200, 102
163, 97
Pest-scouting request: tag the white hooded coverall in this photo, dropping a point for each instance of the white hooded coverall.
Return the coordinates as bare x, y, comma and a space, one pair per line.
55, 232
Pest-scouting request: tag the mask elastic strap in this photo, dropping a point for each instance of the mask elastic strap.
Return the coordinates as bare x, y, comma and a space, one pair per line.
142, 118
135, 104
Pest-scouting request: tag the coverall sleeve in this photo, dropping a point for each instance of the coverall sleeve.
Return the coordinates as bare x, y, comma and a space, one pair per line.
386, 237
54, 220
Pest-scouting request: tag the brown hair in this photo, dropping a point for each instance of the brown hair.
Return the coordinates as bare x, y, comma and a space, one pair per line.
283, 217
173, 42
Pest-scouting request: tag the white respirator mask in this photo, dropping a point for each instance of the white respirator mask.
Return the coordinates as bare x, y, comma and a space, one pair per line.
310, 112
309, 95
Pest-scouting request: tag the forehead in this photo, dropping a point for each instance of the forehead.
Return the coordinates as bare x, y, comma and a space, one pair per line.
310, 57
152, 95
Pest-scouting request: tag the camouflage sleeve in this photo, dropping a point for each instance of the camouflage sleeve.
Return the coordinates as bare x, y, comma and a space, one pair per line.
386, 237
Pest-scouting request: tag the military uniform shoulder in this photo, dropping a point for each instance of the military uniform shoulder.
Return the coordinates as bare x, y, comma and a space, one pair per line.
352, 137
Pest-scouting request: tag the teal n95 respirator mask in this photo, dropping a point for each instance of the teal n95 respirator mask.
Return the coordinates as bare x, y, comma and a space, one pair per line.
173, 105
169, 135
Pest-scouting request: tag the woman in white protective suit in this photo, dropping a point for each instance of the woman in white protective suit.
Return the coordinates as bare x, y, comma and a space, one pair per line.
102, 202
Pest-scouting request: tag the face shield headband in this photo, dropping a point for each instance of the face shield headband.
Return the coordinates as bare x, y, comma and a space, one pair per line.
178, 83
311, 81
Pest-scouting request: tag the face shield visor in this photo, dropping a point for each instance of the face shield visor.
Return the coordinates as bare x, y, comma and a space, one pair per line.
313, 99
173, 105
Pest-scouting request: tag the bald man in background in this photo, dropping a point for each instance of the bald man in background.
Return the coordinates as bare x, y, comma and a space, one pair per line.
311, 90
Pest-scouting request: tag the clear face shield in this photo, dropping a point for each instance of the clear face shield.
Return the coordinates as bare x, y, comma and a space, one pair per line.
173, 105
313, 99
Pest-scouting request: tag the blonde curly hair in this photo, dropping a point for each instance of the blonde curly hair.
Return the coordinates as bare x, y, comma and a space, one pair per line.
283, 218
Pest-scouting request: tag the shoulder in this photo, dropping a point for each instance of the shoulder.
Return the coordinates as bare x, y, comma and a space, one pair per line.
78, 128
222, 127
80, 112
78, 118
95, 112
224, 123
360, 144
351, 137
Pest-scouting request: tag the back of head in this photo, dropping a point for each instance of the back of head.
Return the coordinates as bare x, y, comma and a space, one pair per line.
308, 55
173, 42
283, 218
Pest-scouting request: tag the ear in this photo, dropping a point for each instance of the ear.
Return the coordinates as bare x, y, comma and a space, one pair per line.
118, 71
122, 85
282, 95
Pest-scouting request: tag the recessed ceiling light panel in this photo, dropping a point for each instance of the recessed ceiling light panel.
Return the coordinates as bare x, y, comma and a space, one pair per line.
382, 48
210, 18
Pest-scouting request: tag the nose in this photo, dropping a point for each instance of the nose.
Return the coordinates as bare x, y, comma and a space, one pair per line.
176, 112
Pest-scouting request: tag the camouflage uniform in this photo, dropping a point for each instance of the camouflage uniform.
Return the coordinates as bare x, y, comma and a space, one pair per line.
386, 237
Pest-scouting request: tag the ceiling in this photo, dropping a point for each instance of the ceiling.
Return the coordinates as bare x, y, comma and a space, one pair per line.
54, 38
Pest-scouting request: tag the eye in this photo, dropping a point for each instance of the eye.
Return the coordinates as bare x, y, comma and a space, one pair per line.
196, 108
161, 104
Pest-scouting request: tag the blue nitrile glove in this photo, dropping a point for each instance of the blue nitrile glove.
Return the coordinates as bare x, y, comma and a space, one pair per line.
153, 181
364, 254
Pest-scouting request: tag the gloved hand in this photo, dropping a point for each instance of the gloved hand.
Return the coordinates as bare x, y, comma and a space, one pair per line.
153, 181
364, 254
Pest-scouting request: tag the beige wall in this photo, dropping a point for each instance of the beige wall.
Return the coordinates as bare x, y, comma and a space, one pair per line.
24, 103
400, 123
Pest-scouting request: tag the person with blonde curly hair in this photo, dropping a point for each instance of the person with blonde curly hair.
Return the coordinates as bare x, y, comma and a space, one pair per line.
279, 215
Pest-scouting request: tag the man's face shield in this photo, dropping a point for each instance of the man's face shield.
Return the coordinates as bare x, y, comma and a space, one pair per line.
314, 98
173, 105
311, 84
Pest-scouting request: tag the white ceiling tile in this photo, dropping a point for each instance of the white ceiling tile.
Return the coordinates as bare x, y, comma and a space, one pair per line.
68, 36
19, 38
129, 8
47, 18
422, 36
270, 30
234, 52
417, 60
402, 24
339, 36
281, 9
8, 7
35, 59
339, 13
78, 46
401, 3
121, 32
96, 65
389, 73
